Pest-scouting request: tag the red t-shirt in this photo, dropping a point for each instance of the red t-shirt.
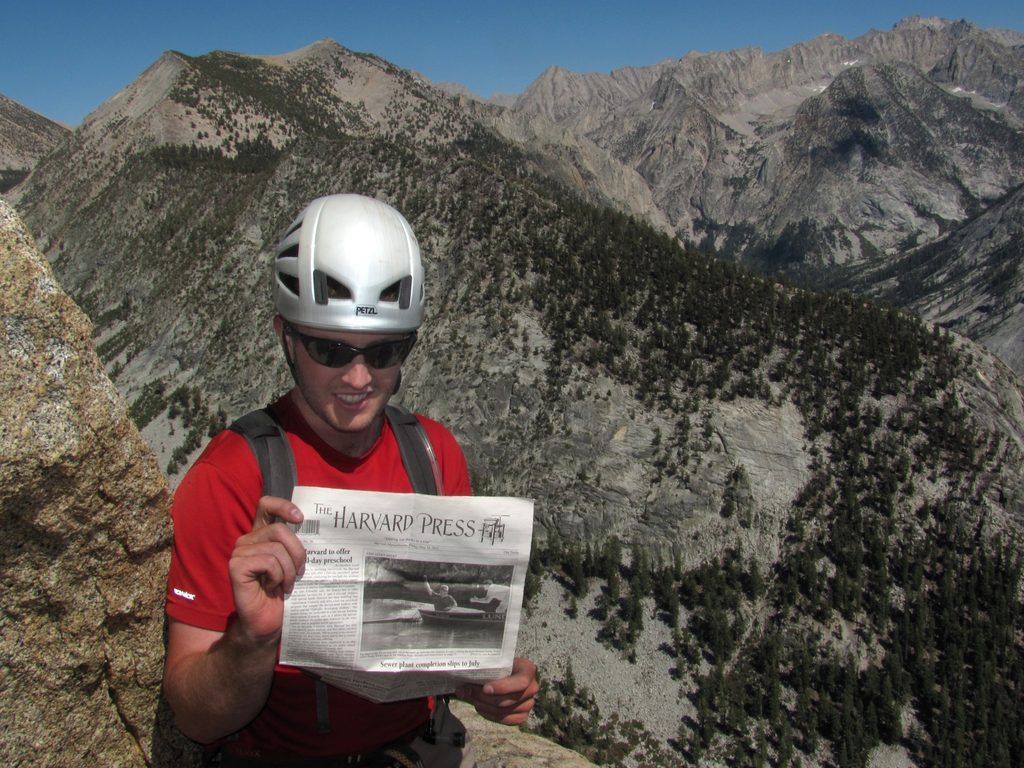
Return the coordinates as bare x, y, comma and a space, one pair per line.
216, 503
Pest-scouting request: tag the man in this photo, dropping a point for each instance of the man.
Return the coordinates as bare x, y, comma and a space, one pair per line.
348, 288
440, 597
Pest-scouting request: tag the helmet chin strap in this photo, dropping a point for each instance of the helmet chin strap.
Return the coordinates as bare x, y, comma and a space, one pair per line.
288, 357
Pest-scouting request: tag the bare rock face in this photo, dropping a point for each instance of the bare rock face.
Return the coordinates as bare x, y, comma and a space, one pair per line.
973, 282
85, 542
498, 746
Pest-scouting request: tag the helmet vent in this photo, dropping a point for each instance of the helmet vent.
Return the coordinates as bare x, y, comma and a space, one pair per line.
291, 252
336, 290
290, 282
326, 288
392, 292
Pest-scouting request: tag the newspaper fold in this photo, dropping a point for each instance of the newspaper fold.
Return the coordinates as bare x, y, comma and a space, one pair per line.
406, 595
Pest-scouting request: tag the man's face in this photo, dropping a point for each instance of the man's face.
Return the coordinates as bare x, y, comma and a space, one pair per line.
342, 404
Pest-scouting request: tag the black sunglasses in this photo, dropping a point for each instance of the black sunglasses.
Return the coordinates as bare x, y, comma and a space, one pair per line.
337, 354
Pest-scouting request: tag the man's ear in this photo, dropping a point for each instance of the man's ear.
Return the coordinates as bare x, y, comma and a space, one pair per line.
283, 338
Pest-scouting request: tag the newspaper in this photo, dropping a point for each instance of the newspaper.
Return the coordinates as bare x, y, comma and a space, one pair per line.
406, 595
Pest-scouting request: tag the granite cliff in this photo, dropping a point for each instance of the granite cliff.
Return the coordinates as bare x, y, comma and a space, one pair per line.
86, 537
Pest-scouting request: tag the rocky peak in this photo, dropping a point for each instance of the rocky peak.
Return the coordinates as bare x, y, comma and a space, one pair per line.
24, 138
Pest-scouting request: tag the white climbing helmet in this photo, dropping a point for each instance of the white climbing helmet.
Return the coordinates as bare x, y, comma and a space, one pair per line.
349, 263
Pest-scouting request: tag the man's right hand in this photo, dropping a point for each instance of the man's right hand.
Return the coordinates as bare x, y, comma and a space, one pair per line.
263, 569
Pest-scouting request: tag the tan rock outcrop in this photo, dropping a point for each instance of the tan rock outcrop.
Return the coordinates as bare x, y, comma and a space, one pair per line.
498, 746
85, 536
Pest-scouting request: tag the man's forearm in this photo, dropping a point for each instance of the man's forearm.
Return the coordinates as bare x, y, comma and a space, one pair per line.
217, 690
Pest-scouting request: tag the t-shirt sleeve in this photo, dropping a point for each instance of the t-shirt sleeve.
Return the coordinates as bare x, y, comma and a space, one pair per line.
214, 505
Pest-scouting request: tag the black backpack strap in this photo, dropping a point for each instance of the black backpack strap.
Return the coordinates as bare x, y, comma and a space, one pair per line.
273, 453
417, 452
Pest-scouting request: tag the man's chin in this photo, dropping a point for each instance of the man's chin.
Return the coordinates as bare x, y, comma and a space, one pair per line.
353, 421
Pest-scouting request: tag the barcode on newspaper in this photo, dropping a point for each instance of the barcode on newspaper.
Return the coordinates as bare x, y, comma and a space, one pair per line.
307, 526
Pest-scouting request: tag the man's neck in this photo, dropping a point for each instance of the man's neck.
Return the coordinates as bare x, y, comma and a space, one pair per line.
355, 444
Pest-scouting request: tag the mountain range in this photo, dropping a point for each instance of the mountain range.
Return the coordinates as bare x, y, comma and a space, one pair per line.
661, 302
825, 162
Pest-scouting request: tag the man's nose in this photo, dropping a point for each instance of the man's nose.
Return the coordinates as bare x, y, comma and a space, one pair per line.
357, 373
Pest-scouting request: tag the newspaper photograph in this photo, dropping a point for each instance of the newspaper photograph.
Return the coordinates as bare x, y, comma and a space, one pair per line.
406, 595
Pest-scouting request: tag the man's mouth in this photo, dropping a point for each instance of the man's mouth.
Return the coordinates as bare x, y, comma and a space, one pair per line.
353, 399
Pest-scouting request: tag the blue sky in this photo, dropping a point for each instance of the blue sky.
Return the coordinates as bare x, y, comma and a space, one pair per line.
66, 57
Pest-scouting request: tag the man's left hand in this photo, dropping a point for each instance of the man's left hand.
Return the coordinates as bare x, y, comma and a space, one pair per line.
509, 700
